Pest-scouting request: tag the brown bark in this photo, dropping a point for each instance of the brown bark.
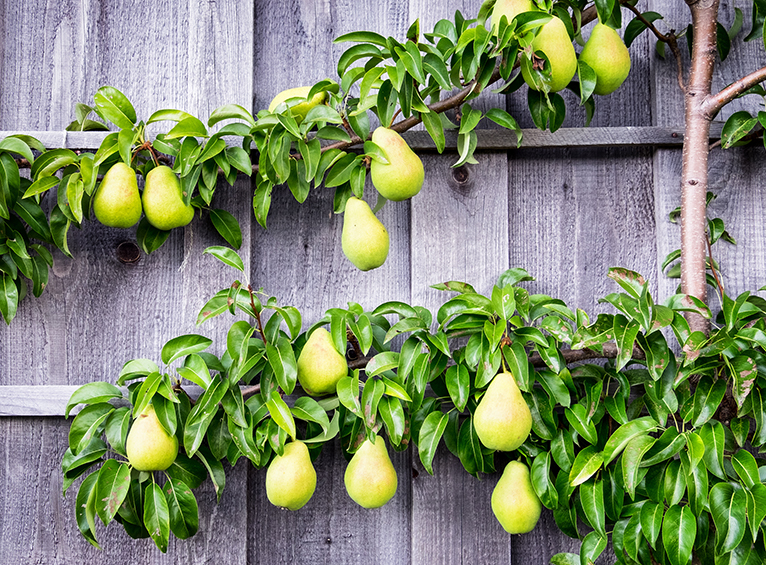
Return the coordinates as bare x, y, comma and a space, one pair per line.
694, 174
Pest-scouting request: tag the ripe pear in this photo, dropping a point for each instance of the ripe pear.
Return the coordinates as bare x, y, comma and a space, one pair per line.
370, 476
403, 175
607, 55
320, 366
290, 478
164, 201
502, 419
117, 202
364, 239
553, 40
300, 109
514, 501
149, 446
510, 9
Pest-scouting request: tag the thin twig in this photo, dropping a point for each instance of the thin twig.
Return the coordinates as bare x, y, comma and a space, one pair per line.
714, 103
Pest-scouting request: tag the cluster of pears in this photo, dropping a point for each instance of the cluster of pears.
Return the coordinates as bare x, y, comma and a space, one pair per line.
365, 240
604, 52
149, 446
118, 203
370, 476
502, 421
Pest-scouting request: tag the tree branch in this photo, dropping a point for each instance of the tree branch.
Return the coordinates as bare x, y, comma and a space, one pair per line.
713, 104
694, 174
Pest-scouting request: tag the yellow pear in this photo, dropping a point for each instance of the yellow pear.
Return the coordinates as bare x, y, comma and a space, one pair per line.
149, 446
164, 201
510, 9
514, 501
320, 366
290, 478
402, 176
607, 55
364, 239
502, 419
297, 108
370, 476
553, 40
117, 202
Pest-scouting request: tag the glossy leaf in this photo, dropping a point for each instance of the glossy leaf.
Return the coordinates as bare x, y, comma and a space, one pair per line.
157, 516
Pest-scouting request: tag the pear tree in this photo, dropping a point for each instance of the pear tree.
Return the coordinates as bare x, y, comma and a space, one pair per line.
675, 398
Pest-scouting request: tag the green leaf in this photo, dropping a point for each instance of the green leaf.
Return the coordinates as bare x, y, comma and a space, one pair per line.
382, 362
92, 393
282, 360
87, 425
113, 105
756, 507
85, 509
157, 516
578, 418
624, 434
188, 127
112, 488
182, 509
202, 414
746, 467
430, 435
679, 530
585, 465
592, 500
631, 461
230, 111
281, 414
458, 382
713, 437
728, 507
504, 119
184, 345
308, 409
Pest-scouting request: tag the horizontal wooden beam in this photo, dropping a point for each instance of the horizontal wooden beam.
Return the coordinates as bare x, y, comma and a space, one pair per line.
488, 139
49, 400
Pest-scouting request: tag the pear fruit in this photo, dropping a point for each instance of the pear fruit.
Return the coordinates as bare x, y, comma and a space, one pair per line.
607, 55
514, 501
290, 478
149, 446
364, 238
164, 201
553, 40
400, 178
510, 9
370, 476
320, 366
502, 419
117, 202
298, 109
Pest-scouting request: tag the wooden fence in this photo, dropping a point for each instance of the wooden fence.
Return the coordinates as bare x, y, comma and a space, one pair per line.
566, 207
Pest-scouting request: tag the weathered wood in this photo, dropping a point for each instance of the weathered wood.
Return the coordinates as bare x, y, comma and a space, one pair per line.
460, 220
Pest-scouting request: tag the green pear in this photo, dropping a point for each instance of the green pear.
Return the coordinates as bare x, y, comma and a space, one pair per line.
290, 478
607, 55
320, 366
164, 201
297, 108
510, 9
370, 476
402, 176
364, 239
514, 501
553, 40
502, 419
149, 446
117, 202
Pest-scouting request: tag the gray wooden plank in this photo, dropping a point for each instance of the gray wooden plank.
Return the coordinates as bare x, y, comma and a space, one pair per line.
38, 525
576, 213
331, 528
299, 260
459, 232
98, 312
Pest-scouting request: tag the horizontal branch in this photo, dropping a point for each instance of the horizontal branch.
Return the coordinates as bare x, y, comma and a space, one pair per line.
713, 104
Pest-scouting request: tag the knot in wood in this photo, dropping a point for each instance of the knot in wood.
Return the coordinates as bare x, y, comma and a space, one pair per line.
128, 252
